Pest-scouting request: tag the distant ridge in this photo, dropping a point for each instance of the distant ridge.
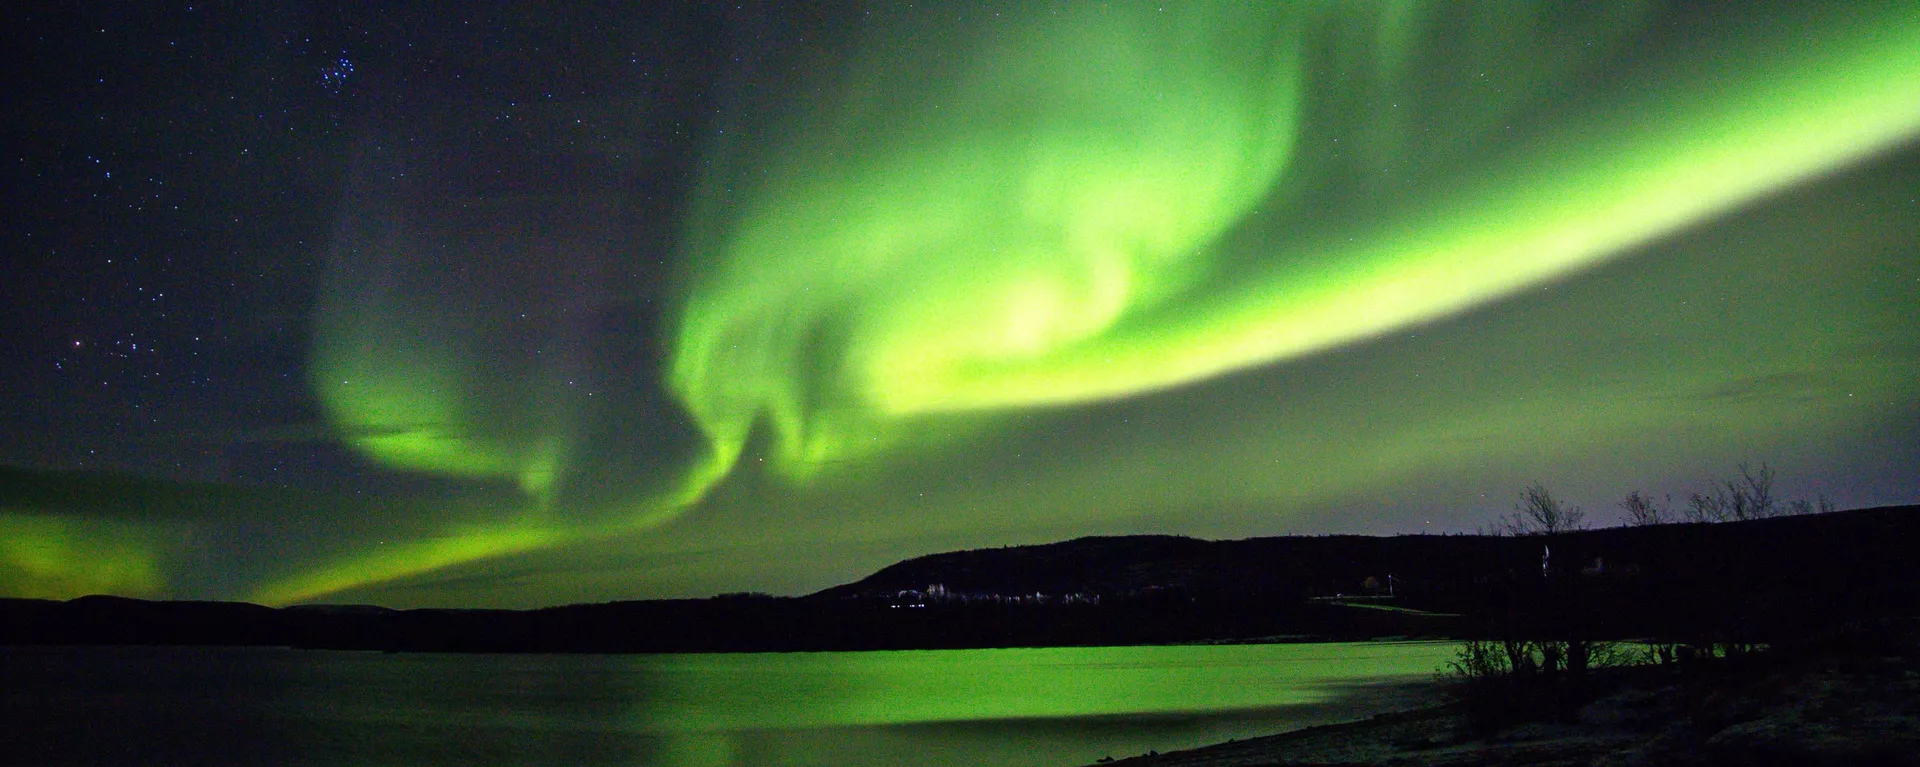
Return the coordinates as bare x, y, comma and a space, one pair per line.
1763, 580
1327, 565
1106, 564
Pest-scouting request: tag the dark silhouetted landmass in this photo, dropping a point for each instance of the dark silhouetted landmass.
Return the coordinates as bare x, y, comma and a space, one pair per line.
1761, 581
1851, 697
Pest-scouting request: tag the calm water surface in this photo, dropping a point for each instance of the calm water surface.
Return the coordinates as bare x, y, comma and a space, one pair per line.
1055, 707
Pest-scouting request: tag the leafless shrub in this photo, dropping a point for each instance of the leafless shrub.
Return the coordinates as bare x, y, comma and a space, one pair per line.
1748, 497
1508, 680
1642, 511
1539, 513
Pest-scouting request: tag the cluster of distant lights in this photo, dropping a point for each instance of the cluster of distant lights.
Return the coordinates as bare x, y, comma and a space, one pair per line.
334, 76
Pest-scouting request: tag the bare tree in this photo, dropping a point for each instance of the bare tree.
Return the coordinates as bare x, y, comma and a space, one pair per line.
1754, 497
1749, 497
1642, 511
1702, 507
1539, 513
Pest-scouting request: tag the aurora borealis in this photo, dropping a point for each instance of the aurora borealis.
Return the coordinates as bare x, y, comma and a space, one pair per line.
520, 309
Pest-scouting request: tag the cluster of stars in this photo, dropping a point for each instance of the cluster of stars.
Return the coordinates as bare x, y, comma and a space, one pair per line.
334, 75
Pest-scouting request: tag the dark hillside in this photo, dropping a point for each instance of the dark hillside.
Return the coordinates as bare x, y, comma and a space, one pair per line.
1769, 580
1846, 560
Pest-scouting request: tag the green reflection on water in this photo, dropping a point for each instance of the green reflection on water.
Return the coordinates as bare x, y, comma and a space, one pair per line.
139, 706
703, 693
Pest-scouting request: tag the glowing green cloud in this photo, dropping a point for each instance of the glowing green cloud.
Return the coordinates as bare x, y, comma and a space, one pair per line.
440, 340
958, 214
1022, 204
1688, 154
61, 557
1053, 222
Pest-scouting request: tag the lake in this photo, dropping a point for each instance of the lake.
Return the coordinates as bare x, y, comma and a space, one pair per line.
1052, 707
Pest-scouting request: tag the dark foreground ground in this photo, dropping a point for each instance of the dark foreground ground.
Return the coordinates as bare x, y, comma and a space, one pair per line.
1853, 699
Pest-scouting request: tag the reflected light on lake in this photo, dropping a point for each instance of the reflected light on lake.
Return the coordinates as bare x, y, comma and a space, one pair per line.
1041, 706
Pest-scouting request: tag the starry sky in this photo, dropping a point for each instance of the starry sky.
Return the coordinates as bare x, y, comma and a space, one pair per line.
517, 304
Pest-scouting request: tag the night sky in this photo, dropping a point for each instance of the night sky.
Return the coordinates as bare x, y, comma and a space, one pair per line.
519, 304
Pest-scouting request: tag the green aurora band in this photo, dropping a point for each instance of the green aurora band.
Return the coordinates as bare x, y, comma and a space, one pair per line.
1078, 203
62, 557
987, 258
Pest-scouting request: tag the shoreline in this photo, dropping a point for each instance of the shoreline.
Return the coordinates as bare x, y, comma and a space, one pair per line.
1851, 703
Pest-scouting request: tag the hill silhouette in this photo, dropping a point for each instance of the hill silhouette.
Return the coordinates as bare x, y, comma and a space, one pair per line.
1765, 580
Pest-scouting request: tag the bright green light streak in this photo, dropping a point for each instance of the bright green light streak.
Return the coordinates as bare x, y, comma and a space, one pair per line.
984, 261
1682, 158
410, 403
1060, 182
1044, 227
400, 559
